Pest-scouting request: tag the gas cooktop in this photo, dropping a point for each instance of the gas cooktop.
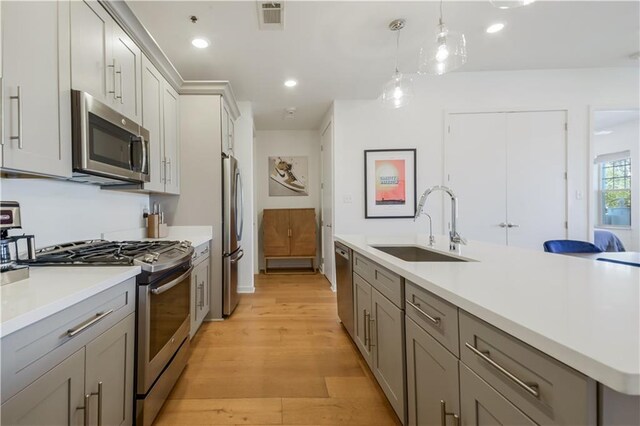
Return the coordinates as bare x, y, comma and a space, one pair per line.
152, 256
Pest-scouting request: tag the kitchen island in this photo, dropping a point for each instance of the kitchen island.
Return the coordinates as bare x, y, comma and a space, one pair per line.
577, 312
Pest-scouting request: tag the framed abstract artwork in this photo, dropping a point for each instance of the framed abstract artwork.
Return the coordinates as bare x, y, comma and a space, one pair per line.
389, 183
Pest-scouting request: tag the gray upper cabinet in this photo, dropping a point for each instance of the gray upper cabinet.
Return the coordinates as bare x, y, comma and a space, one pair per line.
56, 398
104, 61
36, 97
160, 118
387, 342
109, 374
482, 405
432, 380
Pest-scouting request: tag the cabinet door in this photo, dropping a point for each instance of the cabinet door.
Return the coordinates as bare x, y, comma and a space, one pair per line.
432, 377
232, 134
362, 315
225, 128
387, 342
171, 139
128, 60
92, 67
481, 404
110, 362
199, 295
275, 228
302, 223
56, 398
152, 87
36, 93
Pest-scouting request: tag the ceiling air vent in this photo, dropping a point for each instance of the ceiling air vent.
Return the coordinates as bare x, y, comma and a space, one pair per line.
271, 15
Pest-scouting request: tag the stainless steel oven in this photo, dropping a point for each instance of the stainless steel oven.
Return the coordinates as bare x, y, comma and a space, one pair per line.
163, 337
108, 148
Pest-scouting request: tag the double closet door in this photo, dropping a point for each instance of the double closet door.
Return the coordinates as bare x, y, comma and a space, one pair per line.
509, 172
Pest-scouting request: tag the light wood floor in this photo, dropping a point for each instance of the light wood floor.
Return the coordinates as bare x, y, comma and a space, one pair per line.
282, 358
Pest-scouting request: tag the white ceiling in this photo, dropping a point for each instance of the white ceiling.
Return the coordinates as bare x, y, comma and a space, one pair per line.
343, 50
605, 120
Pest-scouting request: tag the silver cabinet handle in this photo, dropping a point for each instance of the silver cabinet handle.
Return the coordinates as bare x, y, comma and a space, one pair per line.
201, 290
113, 65
531, 388
88, 323
87, 400
205, 251
444, 414
502, 225
365, 326
512, 225
437, 321
99, 403
171, 284
371, 320
168, 162
119, 72
18, 98
163, 171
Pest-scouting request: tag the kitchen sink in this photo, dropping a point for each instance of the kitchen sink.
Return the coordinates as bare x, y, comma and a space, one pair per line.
417, 254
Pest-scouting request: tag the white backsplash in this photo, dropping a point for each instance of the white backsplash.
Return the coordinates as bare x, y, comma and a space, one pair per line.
58, 211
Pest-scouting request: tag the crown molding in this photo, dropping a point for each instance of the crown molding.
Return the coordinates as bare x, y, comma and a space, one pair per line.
125, 17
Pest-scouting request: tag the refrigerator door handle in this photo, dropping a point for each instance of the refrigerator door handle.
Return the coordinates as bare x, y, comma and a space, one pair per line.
238, 257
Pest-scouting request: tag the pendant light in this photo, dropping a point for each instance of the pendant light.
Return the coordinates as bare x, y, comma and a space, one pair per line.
510, 4
444, 52
398, 91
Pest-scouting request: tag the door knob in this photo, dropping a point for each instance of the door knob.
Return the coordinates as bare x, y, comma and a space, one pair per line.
503, 225
512, 225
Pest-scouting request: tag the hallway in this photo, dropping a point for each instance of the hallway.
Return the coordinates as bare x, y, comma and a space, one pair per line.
282, 358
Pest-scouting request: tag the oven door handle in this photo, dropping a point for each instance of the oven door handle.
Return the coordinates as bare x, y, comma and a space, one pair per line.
170, 285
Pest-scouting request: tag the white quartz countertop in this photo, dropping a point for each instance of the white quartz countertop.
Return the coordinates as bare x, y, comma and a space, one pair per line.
49, 290
582, 312
198, 235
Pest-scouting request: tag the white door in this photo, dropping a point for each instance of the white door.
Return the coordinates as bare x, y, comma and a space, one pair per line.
536, 184
475, 156
327, 204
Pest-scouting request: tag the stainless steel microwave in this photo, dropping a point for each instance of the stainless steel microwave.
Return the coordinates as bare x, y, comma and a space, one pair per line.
108, 148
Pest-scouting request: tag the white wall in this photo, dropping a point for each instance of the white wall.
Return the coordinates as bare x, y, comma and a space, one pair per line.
625, 136
286, 143
361, 125
243, 151
58, 211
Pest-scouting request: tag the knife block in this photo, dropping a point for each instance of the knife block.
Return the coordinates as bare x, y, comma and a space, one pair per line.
153, 226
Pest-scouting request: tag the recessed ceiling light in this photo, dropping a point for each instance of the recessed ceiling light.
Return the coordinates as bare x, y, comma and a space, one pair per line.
291, 83
200, 43
494, 28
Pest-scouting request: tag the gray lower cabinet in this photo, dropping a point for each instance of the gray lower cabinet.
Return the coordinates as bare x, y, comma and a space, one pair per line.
483, 405
200, 282
55, 398
378, 327
109, 374
432, 380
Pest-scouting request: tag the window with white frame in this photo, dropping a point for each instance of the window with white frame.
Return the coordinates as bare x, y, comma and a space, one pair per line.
614, 189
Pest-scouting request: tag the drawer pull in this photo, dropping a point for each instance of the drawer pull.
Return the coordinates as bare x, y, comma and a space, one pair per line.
444, 414
436, 320
99, 316
531, 388
366, 332
371, 320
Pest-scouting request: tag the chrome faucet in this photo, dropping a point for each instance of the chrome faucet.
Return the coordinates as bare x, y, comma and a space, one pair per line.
454, 237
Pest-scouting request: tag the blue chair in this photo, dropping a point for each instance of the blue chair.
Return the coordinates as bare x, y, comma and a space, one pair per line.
570, 246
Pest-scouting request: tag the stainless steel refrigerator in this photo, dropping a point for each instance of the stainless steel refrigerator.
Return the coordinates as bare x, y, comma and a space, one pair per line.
231, 232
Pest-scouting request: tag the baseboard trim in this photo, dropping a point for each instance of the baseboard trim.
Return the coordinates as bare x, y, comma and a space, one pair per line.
246, 290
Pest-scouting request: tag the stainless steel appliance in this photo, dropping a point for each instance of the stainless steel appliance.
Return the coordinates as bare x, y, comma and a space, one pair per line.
108, 148
344, 283
12, 267
232, 232
163, 310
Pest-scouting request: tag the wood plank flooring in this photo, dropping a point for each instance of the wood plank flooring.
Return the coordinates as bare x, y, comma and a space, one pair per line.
282, 359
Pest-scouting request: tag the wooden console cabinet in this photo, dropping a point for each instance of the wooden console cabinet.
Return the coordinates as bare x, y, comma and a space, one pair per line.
289, 234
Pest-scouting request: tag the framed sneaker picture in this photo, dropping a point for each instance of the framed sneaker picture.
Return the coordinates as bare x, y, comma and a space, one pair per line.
288, 176
389, 183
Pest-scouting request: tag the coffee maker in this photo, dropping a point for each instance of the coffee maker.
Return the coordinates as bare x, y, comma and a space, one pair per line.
13, 264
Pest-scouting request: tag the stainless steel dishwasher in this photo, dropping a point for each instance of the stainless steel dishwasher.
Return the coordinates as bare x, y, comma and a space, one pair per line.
344, 279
